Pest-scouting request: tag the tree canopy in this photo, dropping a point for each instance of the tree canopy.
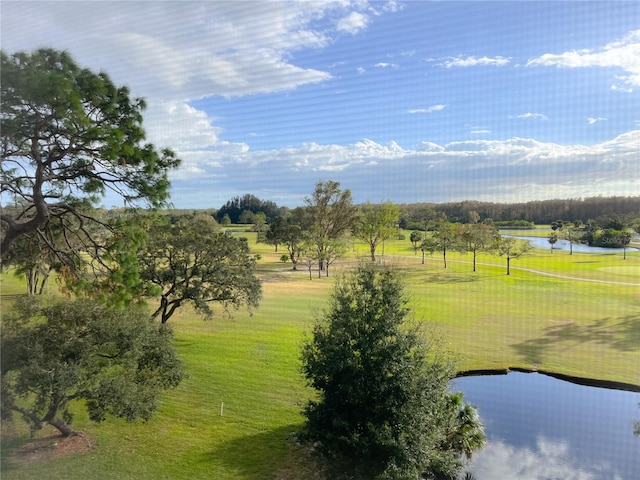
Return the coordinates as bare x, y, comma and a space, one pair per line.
117, 362
192, 262
331, 216
69, 135
376, 224
383, 410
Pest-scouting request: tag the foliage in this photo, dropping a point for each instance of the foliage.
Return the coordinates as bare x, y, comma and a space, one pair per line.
415, 238
475, 238
69, 135
332, 216
287, 231
552, 238
512, 248
235, 207
192, 262
376, 224
384, 407
444, 238
117, 361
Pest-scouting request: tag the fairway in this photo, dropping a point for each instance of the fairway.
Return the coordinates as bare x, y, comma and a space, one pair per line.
233, 417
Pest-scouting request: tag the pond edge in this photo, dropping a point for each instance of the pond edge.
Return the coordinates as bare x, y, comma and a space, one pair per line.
587, 382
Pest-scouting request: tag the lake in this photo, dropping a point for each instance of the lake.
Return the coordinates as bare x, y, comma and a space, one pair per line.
541, 428
541, 242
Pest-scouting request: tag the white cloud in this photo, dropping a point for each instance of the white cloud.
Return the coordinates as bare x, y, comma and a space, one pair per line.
549, 459
623, 54
531, 116
179, 126
180, 51
393, 6
516, 169
472, 61
353, 23
431, 109
386, 65
592, 120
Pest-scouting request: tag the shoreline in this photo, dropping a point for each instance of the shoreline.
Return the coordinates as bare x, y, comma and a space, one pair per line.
587, 382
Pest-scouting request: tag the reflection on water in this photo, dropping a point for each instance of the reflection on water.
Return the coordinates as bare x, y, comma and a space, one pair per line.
548, 459
541, 428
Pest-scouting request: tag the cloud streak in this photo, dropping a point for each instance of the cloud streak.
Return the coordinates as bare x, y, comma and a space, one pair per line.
431, 109
472, 61
531, 116
622, 54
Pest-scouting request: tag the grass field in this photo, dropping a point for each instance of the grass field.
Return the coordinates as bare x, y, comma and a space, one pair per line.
587, 324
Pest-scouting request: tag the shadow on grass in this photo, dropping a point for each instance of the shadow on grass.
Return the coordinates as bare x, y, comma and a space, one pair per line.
269, 454
449, 278
621, 333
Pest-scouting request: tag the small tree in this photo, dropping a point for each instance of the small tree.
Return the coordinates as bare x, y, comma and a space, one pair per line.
115, 362
445, 238
415, 238
512, 248
331, 217
552, 238
475, 238
375, 224
384, 408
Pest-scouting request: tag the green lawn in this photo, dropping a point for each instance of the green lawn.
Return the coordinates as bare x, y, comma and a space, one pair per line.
251, 362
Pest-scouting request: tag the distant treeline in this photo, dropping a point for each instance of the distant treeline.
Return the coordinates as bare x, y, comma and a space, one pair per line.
414, 215
538, 212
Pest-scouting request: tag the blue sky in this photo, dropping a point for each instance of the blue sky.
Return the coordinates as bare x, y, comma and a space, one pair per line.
402, 101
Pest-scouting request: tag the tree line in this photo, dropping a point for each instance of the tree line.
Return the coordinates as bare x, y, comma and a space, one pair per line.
541, 212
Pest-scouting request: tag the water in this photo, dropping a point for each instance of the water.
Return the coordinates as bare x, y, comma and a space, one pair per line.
541, 428
541, 242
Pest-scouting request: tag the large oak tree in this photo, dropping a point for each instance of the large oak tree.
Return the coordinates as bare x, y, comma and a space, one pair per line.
192, 262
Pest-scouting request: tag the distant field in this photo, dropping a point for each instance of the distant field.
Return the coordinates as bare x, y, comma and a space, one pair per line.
569, 325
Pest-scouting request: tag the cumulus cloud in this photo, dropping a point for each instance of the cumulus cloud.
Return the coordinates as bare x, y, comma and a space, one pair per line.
516, 169
180, 126
623, 54
472, 61
353, 23
431, 109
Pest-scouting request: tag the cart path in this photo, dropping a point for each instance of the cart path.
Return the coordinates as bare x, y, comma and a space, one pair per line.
537, 272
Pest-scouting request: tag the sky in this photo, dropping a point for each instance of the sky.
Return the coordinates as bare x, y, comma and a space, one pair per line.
398, 101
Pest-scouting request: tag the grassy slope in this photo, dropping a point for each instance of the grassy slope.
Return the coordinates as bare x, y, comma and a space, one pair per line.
251, 362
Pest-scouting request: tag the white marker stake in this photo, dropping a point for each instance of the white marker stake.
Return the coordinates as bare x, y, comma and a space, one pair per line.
221, 408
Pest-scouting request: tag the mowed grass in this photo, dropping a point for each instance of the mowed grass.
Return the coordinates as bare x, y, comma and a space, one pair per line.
250, 363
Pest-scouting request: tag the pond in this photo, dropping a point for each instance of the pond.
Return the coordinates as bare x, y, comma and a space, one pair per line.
541, 242
541, 428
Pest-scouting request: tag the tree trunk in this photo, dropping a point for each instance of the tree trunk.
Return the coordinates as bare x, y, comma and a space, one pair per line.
63, 427
508, 265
